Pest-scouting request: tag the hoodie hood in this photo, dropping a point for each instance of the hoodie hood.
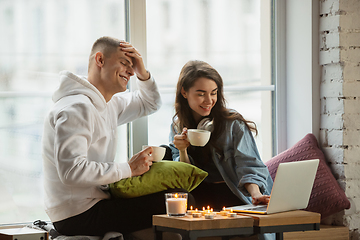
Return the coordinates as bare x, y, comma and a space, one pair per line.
71, 84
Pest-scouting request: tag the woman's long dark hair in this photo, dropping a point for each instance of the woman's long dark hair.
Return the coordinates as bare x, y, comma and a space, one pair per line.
192, 71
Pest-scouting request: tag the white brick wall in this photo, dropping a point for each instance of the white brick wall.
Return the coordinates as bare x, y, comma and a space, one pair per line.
331, 72
340, 100
330, 6
352, 154
352, 72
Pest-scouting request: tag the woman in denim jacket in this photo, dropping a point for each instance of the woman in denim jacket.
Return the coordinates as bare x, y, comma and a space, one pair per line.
236, 173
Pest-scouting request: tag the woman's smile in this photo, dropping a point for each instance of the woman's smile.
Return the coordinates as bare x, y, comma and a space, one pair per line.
201, 97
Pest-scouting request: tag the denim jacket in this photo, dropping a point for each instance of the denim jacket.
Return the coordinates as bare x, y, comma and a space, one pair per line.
240, 163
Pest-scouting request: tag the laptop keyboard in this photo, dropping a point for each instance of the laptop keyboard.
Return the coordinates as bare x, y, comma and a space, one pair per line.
260, 208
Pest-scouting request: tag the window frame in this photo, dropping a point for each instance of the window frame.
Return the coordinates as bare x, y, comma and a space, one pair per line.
295, 39
138, 130
136, 34
284, 14
296, 71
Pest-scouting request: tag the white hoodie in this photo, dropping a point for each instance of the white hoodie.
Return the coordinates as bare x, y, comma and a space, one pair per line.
79, 142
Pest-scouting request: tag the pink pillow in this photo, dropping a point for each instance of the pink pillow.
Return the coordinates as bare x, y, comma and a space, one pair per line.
326, 197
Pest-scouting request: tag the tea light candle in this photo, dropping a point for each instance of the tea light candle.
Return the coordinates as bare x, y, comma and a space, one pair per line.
209, 216
196, 214
208, 210
191, 211
203, 211
232, 214
224, 212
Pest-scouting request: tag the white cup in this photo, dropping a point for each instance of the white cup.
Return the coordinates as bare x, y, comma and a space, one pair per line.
158, 153
198, 137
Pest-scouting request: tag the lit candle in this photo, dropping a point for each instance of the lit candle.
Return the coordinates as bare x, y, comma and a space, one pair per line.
196, 214
232, 214
191, 211
203, 211
209, 216
224, 212
176, 206
208, 209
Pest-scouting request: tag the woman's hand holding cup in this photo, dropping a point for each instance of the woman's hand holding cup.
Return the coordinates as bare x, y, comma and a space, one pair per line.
180, 141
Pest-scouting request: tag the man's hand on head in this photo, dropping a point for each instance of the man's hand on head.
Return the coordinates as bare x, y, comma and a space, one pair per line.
138, 63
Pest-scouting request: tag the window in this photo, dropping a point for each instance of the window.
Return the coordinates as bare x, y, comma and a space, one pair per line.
231, 35
39, 39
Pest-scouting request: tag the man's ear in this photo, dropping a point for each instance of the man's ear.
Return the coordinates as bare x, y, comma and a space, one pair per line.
183, 92
99, 59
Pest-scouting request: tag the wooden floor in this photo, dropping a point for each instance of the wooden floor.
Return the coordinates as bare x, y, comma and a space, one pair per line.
325, 233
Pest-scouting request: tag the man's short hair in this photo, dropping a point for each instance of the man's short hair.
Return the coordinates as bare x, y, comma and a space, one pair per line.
106, 45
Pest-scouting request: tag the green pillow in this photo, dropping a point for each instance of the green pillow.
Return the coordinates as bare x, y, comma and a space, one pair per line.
161, 176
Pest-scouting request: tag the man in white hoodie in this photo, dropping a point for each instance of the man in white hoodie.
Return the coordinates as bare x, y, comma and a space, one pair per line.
79, 144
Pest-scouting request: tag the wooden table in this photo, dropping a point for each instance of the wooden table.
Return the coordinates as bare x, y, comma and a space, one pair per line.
191, 228
291, 221
243, 224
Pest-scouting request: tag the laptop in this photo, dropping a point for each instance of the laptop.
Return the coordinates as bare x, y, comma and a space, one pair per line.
291, 189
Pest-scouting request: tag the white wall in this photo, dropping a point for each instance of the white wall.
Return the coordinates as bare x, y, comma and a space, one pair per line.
340, 94
302, 70
324, 37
